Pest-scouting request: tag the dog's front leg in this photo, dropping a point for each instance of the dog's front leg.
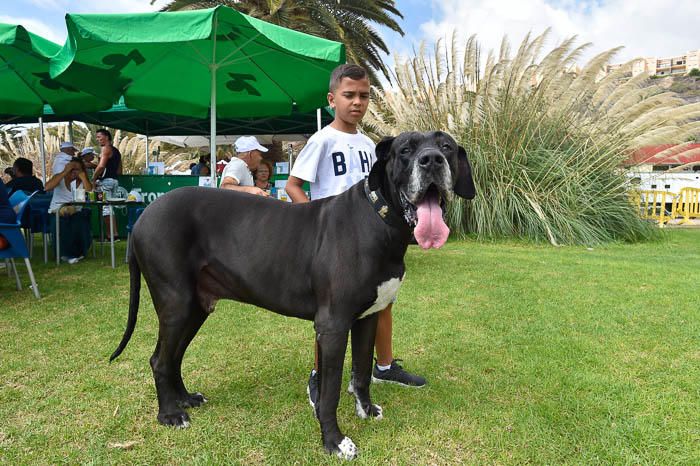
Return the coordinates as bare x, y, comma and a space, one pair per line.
331, 355
363, 335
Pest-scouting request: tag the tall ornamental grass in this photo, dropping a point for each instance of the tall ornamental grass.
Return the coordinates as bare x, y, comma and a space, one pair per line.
545, 140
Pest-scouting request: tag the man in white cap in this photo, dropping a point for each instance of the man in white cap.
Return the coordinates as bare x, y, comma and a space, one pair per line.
61, 159
238, 174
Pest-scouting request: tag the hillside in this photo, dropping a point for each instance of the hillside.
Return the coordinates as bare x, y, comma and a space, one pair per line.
687, 87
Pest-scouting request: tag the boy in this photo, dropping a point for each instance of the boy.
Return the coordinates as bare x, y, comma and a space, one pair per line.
333, 160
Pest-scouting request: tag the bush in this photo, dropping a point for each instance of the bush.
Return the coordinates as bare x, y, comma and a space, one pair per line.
694, 72
545, 142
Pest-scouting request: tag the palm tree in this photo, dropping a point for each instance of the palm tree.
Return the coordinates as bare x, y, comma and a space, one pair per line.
346, 21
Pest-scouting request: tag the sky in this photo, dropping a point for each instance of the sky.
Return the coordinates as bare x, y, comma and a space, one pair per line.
645, 28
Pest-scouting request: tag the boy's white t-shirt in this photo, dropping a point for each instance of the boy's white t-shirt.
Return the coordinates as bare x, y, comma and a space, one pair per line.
332, 161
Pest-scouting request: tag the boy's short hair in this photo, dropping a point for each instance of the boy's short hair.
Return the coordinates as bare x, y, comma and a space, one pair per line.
354, 72
23, 165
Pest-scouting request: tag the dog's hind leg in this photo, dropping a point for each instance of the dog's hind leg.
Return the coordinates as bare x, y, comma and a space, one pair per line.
363, 334
196, 319
176, 331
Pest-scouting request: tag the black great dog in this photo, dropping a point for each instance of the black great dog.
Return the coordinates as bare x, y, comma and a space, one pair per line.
342, 263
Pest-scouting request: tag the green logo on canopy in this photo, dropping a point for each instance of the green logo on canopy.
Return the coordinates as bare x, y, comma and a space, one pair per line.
239, 83
119, 60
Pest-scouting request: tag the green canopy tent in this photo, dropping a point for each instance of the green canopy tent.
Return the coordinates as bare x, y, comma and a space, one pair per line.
25, 81
216, 62
27, 86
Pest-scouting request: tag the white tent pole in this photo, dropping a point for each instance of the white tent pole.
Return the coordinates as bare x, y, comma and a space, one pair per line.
212, 124
42, 150
318, 119
147, 153
70, 131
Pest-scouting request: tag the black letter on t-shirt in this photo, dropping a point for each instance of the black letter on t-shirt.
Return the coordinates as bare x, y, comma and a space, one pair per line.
364, 160
339, 163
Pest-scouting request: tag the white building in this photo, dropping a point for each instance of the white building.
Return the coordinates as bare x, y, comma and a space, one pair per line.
669, 66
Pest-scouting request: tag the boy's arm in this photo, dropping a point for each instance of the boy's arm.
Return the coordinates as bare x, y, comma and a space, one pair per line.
304, 169
295, 190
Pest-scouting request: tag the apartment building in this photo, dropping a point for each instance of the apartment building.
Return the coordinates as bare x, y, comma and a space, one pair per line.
668, 66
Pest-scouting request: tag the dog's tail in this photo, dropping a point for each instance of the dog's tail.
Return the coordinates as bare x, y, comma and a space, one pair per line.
134, 294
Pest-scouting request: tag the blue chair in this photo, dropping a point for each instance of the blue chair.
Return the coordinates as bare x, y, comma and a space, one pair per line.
18, 246
133, 214
39, 221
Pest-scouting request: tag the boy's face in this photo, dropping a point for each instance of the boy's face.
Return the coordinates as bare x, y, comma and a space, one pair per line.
350, 101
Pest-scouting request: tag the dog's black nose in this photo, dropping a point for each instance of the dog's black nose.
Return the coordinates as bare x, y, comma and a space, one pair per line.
431, 160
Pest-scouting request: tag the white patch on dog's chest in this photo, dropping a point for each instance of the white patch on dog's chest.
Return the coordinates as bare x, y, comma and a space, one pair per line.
386, 294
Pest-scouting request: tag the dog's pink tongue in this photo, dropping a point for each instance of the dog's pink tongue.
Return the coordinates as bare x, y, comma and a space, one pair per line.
431, 231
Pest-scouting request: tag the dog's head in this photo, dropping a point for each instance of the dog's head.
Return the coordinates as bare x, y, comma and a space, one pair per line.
423, 170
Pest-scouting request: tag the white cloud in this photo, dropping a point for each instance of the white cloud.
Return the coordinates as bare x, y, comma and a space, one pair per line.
53, 11
112, 6
644, 28
37, 27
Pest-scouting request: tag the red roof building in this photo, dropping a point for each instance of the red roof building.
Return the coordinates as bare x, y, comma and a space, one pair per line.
665, 154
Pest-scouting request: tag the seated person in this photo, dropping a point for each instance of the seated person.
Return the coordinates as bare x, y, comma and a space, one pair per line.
7, 213
24, 179
197, 169
76, 236
8, 174
262, 175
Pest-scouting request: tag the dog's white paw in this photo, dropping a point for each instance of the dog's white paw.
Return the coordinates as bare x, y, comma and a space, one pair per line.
379, 412
376, 411
360, 410
347, 449
184, 425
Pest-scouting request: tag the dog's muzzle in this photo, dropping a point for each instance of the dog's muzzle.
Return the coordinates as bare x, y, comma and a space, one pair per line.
424, 204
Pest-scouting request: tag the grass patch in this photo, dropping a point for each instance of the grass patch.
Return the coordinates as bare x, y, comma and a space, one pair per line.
533, 354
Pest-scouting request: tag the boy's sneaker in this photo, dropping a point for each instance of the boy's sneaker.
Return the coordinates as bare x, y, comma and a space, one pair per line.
396, 374
312, 389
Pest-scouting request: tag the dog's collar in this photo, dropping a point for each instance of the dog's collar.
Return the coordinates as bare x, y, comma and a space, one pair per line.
381, 207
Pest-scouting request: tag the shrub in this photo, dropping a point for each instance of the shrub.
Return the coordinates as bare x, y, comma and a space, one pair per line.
545, 141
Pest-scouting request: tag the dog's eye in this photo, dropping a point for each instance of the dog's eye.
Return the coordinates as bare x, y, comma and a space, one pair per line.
405, 151
446, 146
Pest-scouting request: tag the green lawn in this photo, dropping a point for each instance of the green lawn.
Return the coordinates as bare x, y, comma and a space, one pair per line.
533, 354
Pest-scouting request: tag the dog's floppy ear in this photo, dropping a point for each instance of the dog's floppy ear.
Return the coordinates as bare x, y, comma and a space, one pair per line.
464, 187
376, 175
